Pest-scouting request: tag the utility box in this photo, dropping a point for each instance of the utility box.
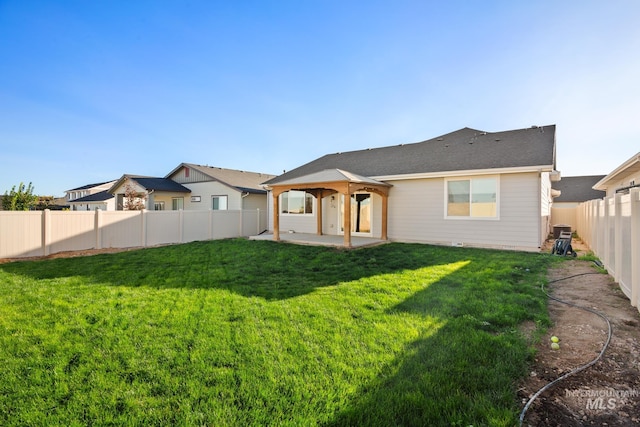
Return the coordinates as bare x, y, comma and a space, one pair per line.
559, 228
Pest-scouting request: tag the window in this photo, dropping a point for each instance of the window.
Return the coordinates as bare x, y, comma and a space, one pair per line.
472, 198
296, 202
177, 203
219, 203
158, 206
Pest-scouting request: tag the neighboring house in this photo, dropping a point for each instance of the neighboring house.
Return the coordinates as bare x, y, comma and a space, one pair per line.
195, 187
102, 200
73, 196
575, 190
157, 193
568, 193
622, 179
464, 188
221, 189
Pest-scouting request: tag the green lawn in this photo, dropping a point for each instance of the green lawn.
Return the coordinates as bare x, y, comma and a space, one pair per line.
240, 333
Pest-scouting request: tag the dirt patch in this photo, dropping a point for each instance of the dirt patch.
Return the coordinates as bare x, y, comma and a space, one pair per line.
71, 254
606, 393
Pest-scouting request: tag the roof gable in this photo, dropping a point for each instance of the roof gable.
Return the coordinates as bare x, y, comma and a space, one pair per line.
463, 150
331, 175
151, 183
237, 179
628, 168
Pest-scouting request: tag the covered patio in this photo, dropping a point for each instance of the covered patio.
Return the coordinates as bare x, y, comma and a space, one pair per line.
327, 183
321, 240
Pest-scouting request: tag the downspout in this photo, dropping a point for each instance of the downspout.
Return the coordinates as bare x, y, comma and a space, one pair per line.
242, 196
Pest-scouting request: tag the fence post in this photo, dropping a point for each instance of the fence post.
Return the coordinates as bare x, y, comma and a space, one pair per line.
143, 231
605, 235
98, 228
46, 232
617, 237
181, 225
210, 225
635, 247
600, 225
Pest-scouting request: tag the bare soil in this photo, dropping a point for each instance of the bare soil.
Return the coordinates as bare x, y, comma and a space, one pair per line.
606, 393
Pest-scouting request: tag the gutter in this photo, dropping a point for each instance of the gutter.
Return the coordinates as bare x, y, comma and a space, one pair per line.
468, 172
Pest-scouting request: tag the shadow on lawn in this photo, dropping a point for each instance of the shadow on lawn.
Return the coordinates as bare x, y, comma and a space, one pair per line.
264, 269
463, 372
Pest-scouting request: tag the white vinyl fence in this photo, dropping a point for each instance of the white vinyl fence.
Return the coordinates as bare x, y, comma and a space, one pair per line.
27, 234
611, 228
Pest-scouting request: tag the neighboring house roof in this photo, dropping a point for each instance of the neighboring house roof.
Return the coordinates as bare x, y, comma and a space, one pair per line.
463, 150
97, 197
152, 183
244, 181
630, 167
86, 187
578, 189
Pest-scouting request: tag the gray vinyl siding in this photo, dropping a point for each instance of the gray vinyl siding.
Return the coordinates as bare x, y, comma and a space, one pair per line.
194, 176
208, 189
417, 214
255, 201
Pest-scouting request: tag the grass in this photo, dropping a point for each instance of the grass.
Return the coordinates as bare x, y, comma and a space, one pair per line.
241, 333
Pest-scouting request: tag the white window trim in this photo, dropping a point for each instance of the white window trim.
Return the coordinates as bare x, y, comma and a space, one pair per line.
173, 199
313, 201
220, 196
471, 218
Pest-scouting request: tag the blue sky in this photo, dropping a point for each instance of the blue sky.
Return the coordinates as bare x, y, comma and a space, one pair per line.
90, 90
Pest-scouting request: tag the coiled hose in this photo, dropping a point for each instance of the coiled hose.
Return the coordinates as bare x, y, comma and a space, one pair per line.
580, 368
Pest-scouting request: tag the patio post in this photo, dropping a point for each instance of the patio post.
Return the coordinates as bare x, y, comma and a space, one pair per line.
347, 219
385, 209
276, 216
319, 216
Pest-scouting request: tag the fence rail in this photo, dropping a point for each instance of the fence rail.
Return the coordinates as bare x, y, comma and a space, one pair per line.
611, 229
27, 234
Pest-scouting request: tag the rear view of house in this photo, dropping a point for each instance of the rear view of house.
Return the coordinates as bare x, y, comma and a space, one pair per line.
464, 188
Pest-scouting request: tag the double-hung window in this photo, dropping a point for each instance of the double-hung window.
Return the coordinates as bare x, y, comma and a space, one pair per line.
296, 202
177, 203
219, 203
472, 197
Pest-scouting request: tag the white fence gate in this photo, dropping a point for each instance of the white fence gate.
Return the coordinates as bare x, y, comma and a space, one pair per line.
26, 234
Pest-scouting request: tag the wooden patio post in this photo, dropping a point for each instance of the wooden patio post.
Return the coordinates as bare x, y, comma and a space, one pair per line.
385, 209
276, 216
347, 219
318, 196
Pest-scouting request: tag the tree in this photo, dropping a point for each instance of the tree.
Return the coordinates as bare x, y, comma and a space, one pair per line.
21, 200
133, 201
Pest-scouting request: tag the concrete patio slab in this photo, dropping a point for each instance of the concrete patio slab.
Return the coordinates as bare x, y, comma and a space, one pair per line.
321, 240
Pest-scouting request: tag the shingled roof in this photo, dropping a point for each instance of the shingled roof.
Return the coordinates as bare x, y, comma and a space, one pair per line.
96, 197
152, 183
463, 150
578, 188
245, 181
